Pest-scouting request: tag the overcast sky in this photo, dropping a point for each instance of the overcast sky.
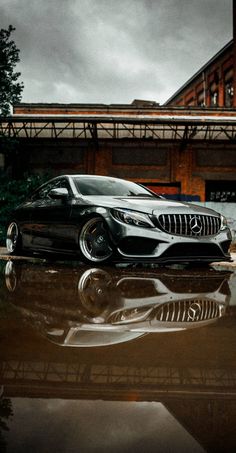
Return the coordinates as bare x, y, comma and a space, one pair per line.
110, 51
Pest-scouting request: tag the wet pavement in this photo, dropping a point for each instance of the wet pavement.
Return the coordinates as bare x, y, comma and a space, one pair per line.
117, 359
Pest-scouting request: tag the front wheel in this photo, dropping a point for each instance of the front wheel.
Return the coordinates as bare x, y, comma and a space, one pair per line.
94, 241
13, 240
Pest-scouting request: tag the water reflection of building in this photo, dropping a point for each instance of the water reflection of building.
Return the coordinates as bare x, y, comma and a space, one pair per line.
193, 373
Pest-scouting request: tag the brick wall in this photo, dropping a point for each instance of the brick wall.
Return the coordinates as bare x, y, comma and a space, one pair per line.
146, 162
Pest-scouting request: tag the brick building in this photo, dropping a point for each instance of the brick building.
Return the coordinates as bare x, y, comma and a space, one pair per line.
214, 84
183, 152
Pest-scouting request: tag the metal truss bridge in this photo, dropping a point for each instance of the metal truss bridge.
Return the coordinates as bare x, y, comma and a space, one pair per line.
71, 380
139, 126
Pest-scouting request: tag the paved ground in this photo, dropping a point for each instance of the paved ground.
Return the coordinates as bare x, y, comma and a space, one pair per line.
5, 256
231, 265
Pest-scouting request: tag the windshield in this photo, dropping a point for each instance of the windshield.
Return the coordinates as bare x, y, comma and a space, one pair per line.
110, 186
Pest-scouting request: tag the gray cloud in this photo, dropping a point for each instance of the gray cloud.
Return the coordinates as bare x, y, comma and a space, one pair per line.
112, 52
41, 425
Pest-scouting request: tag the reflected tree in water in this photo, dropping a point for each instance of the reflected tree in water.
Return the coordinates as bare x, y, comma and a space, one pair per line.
6, 413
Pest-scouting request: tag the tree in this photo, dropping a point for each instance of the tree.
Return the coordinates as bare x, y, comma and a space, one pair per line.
10, 88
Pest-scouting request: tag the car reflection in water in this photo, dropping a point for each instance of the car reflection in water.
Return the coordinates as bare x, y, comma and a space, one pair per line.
95, 307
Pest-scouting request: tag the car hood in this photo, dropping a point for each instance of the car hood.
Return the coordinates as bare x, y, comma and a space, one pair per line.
149, 205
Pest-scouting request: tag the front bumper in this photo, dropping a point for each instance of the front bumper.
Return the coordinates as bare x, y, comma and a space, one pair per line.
151, 244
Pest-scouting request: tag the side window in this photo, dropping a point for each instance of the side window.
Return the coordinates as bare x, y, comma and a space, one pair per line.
63, 184
43, 193
45, 190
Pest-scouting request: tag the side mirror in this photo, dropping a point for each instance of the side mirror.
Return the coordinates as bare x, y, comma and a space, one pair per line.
60, 193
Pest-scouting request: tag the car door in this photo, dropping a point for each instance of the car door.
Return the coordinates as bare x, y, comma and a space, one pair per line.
50, 218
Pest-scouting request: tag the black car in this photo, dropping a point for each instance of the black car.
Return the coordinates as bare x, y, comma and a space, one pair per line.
103, 218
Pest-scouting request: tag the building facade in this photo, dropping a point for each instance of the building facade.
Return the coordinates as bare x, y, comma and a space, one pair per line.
212, 85
185, 153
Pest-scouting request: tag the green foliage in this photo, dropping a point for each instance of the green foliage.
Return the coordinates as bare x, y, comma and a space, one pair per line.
10, 88
14, 192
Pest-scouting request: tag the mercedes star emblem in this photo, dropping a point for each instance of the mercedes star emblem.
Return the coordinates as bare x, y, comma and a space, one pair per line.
194, 311
195, 225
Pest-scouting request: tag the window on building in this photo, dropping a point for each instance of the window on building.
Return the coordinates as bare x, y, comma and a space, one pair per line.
229, 89
222, 191
201, 98
214, 95
229, 93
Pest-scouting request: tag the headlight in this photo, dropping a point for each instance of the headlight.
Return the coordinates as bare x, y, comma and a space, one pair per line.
223, 222
132, 218
130, 315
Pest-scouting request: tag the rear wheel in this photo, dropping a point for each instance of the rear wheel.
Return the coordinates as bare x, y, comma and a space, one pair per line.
94, 241
13, 240
12, 276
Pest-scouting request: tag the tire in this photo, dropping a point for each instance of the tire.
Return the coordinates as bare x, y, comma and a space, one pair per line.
12, 276
13, 240
94, 242
93, 288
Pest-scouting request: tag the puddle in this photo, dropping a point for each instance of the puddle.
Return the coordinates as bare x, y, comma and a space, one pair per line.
117, 359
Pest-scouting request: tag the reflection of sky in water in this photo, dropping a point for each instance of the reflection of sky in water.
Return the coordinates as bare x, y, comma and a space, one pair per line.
87, 426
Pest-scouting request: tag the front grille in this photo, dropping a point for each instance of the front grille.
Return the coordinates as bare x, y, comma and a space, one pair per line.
190, 224
188, 311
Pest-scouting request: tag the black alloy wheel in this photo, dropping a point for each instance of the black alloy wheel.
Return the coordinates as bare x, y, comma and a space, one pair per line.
13, 240
94, 241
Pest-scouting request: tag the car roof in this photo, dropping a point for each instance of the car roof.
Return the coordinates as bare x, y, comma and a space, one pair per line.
90, 176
